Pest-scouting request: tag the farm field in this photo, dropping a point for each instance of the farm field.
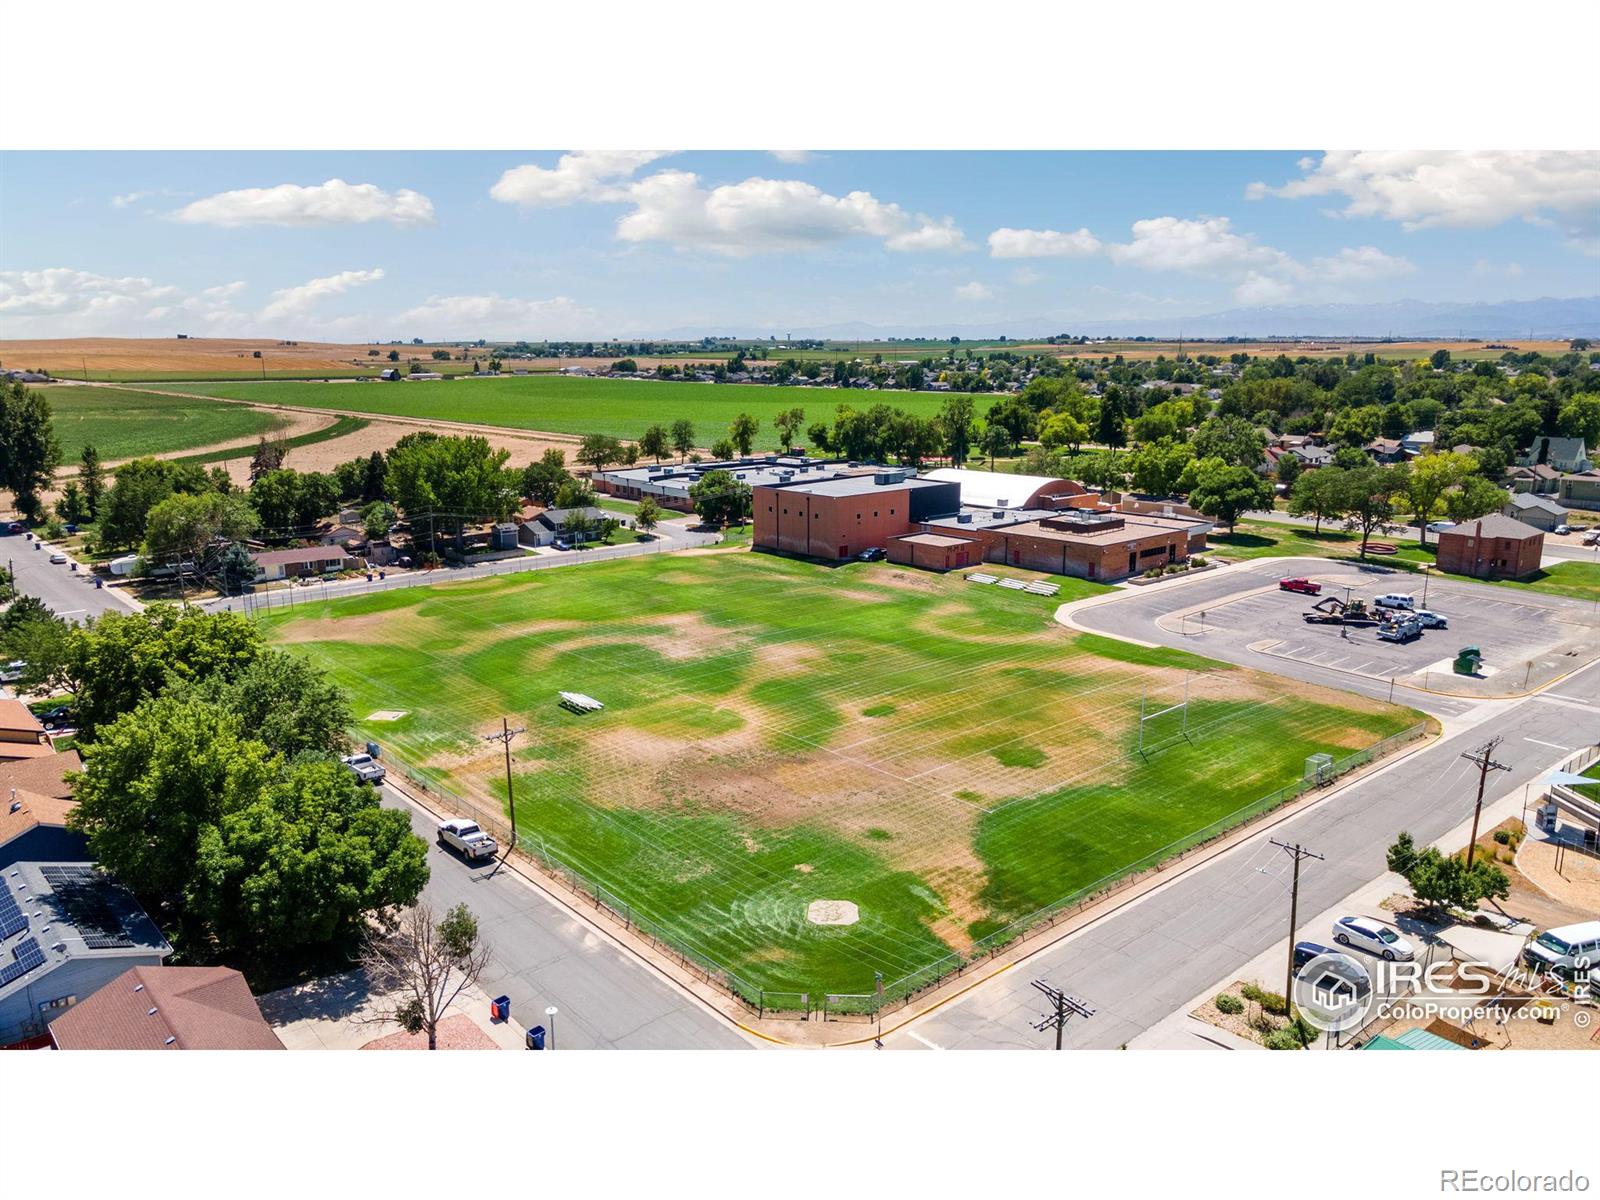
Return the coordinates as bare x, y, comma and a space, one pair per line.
941, 755
621, 407
126, 423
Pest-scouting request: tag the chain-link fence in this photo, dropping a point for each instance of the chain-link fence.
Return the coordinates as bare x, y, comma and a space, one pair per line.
897, 993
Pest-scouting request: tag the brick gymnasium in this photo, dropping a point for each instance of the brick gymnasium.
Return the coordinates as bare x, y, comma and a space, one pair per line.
940, 520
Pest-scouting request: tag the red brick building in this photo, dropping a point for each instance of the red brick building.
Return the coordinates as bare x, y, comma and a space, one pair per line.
839, 518
1492, 547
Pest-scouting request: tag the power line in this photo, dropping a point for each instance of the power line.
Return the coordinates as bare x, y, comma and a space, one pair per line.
1296, 852
1064, 1007
504, 737
1483, 758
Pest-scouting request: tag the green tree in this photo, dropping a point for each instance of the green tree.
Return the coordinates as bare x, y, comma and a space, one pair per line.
646, 516
91, 480
599, 450
654, 442
543, 479
120, 659
32, 633
1224, 491
137, 487
423, 965
268, 456
995, 441
1581, 419
29, 451
957, 422
682, 437
575, 493
1112, 430
788, 423
276, 497
1427, 481
454, 479
1015, 417
720, 498
236, 569
1063, 429
1367, 498
743, 433
1475, 497
723, 449
181, 527
1234, 440
71, 507
376, 518
1443, 881
1318, 494
1288, 469
1156, 467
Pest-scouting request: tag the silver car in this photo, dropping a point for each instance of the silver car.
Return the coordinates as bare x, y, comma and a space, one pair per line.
1374, 937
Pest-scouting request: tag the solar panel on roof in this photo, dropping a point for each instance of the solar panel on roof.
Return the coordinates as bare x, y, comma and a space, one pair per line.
24, 958
12, 919
85, 893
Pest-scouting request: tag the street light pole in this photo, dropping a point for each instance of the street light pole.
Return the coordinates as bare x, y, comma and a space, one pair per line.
550, 1014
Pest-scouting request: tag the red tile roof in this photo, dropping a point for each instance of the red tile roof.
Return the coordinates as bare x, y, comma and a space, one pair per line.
167, 1008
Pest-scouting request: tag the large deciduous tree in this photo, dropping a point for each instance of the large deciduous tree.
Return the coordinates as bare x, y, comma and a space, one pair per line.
1226, 491
1367, 498
29, 450
720, 498
957, 423
1427, 481
742, 432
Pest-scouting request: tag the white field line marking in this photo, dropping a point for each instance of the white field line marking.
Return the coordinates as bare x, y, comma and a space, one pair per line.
1572, 699
1552, 745
923, 1040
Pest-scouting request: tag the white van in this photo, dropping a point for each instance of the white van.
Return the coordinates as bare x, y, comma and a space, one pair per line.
1395, 600
1567, 950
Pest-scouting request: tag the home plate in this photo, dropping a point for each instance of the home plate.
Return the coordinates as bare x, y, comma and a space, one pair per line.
387, 714
832, 912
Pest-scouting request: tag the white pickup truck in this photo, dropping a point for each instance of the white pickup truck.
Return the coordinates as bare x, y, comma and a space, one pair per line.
464, 837
366, 768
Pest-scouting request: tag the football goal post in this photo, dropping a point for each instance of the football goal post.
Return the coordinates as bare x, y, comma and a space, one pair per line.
1150, 736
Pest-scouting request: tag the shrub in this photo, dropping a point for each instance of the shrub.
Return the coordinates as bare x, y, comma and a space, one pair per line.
1503, 836
1270, 1002
1282, 1039
1230, 1004
1197, 562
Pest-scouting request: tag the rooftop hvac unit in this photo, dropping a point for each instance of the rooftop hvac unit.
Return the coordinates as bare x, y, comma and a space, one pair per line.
964, 518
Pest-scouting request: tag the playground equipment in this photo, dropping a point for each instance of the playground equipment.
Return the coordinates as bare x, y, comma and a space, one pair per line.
1468, 659
1334, 611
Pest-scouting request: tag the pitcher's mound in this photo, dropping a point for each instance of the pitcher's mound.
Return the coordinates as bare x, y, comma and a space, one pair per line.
832, 912
387, 714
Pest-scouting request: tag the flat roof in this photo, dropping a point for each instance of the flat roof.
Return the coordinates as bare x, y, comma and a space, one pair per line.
940, 540
856, 485
989, 518
1133, 529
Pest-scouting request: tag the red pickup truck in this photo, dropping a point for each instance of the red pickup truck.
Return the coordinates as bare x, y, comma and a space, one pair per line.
1300, 585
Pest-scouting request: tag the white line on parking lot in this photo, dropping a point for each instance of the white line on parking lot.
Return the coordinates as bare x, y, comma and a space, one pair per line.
1552, 745
1573, 699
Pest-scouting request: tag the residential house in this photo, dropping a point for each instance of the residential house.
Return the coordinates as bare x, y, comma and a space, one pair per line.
1538, 511
1492, 547
1538, 480
34, 802
21, 735
1419, 442
547, 525
1581, 490
167, 1008
309, 560
69, 929
1565, 454
1385, 450
1313, 456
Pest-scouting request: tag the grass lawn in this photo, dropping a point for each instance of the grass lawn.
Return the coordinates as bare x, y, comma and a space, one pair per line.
943, 755
621, 407
126, 423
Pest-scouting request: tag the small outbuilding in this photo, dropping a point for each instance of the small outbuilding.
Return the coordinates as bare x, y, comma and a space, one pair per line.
1492, 547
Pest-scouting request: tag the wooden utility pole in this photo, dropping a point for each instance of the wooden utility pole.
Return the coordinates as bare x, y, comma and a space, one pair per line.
1296, 852
504, 737
1063, 1008
1483, 756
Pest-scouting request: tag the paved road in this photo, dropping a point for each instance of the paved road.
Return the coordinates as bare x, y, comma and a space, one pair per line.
543, 955
670, 536
1139, 964
70, 595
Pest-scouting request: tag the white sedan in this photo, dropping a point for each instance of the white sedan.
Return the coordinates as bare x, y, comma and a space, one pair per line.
58, 557
1374, 937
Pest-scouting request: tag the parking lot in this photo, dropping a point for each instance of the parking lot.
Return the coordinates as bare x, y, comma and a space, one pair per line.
1524, 640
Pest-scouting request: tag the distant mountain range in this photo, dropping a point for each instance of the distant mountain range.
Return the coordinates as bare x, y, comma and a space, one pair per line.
1414, 319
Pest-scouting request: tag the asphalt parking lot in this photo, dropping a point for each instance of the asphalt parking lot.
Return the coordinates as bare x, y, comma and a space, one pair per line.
1522, 639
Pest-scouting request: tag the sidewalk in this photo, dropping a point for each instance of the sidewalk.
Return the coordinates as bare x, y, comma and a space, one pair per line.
335, 1013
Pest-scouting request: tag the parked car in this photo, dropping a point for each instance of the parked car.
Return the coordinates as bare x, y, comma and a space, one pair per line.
57, 717
14, 527
1441, 526
1395, 600
1374, 937
12, 671
366, 768
1562, 530
58, 557
466, 839
1401, 629
1304, 952
1431, 619
873, 554
561, 544
1304, 586
1565, 950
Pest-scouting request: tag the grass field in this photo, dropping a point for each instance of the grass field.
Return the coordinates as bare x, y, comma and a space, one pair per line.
623, 408
943, 755
126, 423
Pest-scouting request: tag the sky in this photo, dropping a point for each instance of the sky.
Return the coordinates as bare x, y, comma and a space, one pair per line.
601, 244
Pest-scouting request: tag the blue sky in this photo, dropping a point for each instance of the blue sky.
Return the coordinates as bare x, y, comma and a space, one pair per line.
360, 246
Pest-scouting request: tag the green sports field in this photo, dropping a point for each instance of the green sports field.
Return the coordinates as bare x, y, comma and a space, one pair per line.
942, 755
126, 423
621, 407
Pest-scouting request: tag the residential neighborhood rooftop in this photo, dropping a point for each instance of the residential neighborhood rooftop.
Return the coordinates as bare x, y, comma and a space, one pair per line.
167, 1008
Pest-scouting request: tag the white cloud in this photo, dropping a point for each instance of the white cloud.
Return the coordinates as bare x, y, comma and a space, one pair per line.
592, 175
1205, 244
1256, 288
1360, 263
1469, 189
292, 303
124, 200
975, 291
792, 157
771, 214
502, 317
66, 302
1042, 243
332, 203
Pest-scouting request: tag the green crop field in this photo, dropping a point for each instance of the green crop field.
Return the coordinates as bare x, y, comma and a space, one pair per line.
126, 423
942, 755
623, 408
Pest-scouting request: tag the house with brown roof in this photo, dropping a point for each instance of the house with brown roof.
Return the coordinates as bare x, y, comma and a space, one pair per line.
167, 1008
34, 803
311, 560
1492, 547
21, 735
